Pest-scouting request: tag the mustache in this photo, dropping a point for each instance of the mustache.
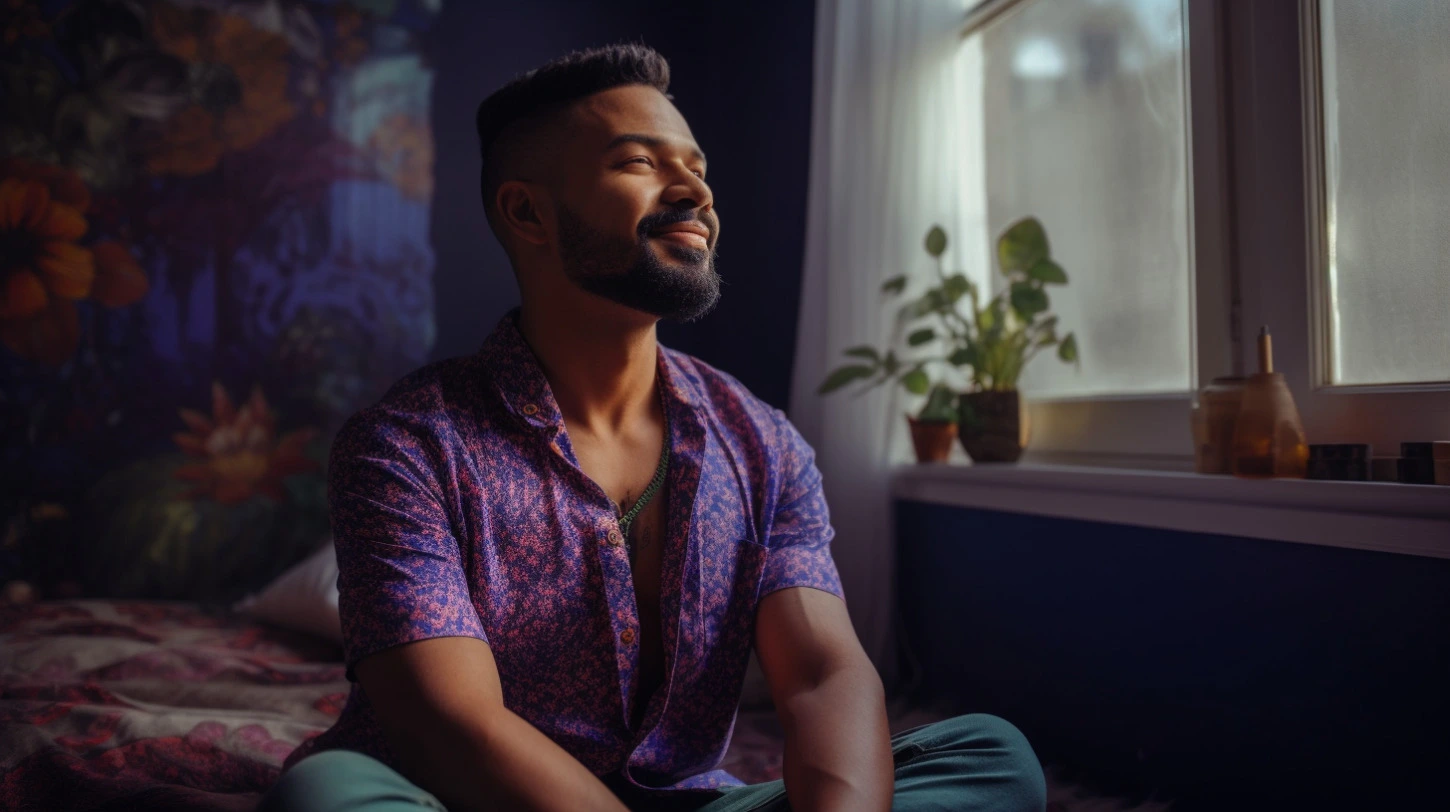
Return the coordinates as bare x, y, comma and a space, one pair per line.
654, 222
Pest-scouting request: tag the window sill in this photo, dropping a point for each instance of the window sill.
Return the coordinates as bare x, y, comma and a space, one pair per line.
1386, 517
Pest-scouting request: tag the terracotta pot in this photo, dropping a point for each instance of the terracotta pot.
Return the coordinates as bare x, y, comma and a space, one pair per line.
993, 426
932, 438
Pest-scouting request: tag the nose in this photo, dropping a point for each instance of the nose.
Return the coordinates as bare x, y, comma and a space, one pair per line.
689, 191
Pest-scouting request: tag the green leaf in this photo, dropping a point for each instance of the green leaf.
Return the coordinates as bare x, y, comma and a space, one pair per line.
930, 302
941, 405
919, 337
1067, 350
889, 363
916, 381
990, 316
864, 351
936, 241
1028, 300
963, 356
956, 286
1022, 245
1048, 273
895, 285
843, 376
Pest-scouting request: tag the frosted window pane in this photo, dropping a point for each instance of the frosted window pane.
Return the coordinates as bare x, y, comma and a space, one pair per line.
1387, 172
1085, 127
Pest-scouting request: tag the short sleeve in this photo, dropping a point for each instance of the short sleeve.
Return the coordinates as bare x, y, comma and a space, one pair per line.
400, 574
799, 544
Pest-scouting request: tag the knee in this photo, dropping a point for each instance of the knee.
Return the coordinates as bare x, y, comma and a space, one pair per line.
331, 781
1007, 749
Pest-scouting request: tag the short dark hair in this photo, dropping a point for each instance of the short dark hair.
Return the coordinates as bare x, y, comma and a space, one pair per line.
548, 89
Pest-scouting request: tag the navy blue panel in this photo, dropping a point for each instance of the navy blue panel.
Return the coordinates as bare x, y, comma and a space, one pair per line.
1227, 672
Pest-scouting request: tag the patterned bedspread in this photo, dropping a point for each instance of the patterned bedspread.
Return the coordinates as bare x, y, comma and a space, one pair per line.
122, 705
157, 706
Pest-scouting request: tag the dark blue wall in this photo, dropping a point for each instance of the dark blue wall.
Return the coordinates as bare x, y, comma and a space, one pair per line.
1226, 673
743, 80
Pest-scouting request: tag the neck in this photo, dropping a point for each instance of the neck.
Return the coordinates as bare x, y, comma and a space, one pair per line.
601, 366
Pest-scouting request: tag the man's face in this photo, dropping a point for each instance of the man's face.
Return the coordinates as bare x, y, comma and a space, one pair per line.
636, 220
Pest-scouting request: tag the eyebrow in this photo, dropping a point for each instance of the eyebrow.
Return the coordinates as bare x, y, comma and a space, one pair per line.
649, 141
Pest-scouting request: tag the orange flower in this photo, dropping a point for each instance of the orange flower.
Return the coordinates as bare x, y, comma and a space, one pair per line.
403, 147
240, 454
188, 146
174, 30
259, 60
195, 139
45, 270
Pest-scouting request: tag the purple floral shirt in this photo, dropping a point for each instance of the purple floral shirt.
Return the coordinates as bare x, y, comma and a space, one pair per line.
459, 509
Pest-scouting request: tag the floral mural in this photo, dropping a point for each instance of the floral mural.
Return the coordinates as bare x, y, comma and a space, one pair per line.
213, 249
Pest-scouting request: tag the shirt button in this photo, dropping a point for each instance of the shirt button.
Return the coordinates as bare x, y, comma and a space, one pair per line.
530, 409
616, 538
627, 635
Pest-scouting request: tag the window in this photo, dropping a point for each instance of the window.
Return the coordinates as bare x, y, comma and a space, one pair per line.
1386, 181
1084, 123
1204, 168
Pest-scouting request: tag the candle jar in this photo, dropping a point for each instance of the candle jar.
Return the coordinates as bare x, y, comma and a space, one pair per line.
1214, 415
1268, 437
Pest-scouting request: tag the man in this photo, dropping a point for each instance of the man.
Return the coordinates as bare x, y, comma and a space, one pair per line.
555, 555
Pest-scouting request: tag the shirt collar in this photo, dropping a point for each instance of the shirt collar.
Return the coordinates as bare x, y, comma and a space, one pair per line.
519, 378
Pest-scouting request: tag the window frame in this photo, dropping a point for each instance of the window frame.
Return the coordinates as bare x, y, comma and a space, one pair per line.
1253, 86
1280, 187
1316, 191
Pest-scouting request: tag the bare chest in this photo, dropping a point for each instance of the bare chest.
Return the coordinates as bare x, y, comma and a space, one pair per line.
623, 474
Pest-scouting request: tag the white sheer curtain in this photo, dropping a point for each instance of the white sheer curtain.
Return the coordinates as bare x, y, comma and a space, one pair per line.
896, 146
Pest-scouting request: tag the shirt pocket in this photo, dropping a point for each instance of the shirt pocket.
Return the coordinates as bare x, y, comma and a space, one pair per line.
731, 570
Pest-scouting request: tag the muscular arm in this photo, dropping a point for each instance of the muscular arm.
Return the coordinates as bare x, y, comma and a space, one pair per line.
830, 701
441, 709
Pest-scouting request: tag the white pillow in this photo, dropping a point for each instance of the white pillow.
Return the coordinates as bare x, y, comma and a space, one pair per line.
304, 598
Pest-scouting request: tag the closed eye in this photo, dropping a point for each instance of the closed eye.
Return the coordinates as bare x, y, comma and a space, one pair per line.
640, 159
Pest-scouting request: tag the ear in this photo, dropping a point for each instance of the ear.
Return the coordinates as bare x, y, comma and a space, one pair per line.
520, 211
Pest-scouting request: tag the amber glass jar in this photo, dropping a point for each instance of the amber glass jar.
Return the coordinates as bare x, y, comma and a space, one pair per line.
1214, 415
1268, 435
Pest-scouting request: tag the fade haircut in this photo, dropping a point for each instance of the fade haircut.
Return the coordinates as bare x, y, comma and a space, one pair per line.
513, 117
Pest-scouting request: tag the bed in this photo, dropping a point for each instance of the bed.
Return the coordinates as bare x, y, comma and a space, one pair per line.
121, 705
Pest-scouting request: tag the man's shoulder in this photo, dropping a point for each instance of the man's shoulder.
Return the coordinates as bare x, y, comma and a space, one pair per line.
727, 399
419, 408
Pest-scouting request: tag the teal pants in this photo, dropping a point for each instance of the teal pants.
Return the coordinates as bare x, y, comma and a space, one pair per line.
974, 762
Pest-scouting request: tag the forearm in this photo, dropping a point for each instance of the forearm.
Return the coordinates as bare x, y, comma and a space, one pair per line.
507, 764
837, 743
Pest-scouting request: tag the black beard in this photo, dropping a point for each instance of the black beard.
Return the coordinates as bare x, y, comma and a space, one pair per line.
632, 273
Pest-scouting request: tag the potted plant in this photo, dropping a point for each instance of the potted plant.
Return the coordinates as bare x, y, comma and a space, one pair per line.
991, 342
934, 426
1001, 337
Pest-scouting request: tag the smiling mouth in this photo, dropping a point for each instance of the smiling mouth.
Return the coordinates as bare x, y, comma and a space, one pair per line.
690, 239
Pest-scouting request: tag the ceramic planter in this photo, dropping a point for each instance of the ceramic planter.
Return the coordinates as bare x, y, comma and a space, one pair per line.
993, 426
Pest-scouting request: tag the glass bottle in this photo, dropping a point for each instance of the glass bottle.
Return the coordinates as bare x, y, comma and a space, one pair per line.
1268, 436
